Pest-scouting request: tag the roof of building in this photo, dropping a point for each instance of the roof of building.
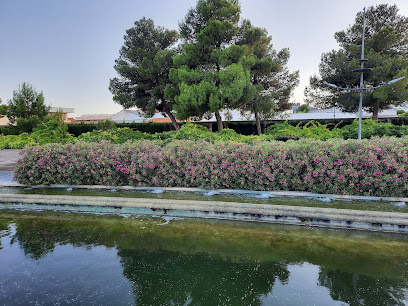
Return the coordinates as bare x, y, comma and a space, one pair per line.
4, 121
65, 110
128, 115
94, 117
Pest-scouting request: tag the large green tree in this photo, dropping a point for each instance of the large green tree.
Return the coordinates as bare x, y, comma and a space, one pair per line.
143, 66
26, 105
212, 73
386, 47
269, 74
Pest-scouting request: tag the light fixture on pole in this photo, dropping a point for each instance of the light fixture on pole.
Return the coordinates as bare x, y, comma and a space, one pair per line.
362, 88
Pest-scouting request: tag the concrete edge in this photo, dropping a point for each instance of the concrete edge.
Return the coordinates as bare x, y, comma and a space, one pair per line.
311, 216
293, 194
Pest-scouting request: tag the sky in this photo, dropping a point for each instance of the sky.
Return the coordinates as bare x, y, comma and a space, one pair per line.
67, 49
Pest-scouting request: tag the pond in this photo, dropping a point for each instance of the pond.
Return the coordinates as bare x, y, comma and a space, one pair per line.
60, 258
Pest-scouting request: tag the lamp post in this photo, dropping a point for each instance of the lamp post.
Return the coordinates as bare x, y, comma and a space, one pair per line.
362, 88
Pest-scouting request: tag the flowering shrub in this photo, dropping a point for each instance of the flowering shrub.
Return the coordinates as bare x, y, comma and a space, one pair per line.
377, 167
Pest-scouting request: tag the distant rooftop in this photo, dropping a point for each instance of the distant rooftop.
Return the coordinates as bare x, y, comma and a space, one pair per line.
93, 117
65, 110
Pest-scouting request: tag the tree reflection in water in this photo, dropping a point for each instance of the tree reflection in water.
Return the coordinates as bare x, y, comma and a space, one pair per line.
216, 262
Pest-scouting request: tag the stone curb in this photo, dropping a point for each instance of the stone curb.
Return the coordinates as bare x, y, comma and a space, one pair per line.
312, 216
294, 194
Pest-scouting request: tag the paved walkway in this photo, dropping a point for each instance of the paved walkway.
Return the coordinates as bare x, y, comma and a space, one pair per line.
8, 158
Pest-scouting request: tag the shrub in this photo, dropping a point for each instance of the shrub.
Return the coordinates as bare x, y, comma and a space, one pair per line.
304, 108
9, 130
371, 128
46, 132
27, 125
312, 129
377, 167
105, 125
80, 128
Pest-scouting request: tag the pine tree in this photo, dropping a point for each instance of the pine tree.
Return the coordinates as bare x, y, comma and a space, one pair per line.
386, 47
143, 66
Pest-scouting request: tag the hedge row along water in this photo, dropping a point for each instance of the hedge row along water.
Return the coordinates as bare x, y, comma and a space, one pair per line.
376, 167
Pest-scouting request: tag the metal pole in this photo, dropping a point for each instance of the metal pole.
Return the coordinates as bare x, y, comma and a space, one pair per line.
360, 105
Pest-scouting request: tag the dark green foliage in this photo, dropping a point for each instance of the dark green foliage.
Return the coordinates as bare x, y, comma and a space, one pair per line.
272, 84
80, 128
211, 73
386, 46
304, 108
143, 66
402, 113
3, 109
149, 128
9, 130
400, 121
26, 102
105, 125
26, 125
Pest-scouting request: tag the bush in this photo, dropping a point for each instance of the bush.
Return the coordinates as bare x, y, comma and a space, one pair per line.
371, 128
105, 125
312, 129
377, 167
9, 130
27, 125
78, 129
46, 132
149, 128
304, 108
116, 135
51, 132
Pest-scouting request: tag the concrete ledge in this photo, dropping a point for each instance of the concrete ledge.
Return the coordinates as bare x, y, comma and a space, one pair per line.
311, 216
293, 194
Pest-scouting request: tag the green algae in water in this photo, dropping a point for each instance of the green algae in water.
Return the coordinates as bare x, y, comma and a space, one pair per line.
112, 259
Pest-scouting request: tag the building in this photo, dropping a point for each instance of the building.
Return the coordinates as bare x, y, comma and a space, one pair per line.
128, 116
52, 111
138, 116
4, 121
335, 113
92, 118
63, 110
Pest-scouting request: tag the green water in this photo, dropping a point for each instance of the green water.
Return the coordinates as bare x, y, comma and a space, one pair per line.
62, 258
256, 198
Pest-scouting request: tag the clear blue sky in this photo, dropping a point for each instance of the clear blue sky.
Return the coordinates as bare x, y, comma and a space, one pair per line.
67, 48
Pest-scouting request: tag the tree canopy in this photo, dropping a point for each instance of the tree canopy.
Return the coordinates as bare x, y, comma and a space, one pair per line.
270, 76
26, 103
143, 66
386, 46
217, 62
209, 74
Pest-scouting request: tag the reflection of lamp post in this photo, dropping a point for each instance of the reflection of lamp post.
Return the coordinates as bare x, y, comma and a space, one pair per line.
362, 88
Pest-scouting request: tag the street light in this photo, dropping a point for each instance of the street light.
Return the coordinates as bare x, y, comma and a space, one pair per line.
362, 88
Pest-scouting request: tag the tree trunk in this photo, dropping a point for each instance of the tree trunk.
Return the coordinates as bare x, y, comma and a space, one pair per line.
376, 110
170, 114
258, 123
173, 120
219, 121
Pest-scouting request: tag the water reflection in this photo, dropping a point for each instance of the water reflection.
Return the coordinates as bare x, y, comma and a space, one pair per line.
89, 259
